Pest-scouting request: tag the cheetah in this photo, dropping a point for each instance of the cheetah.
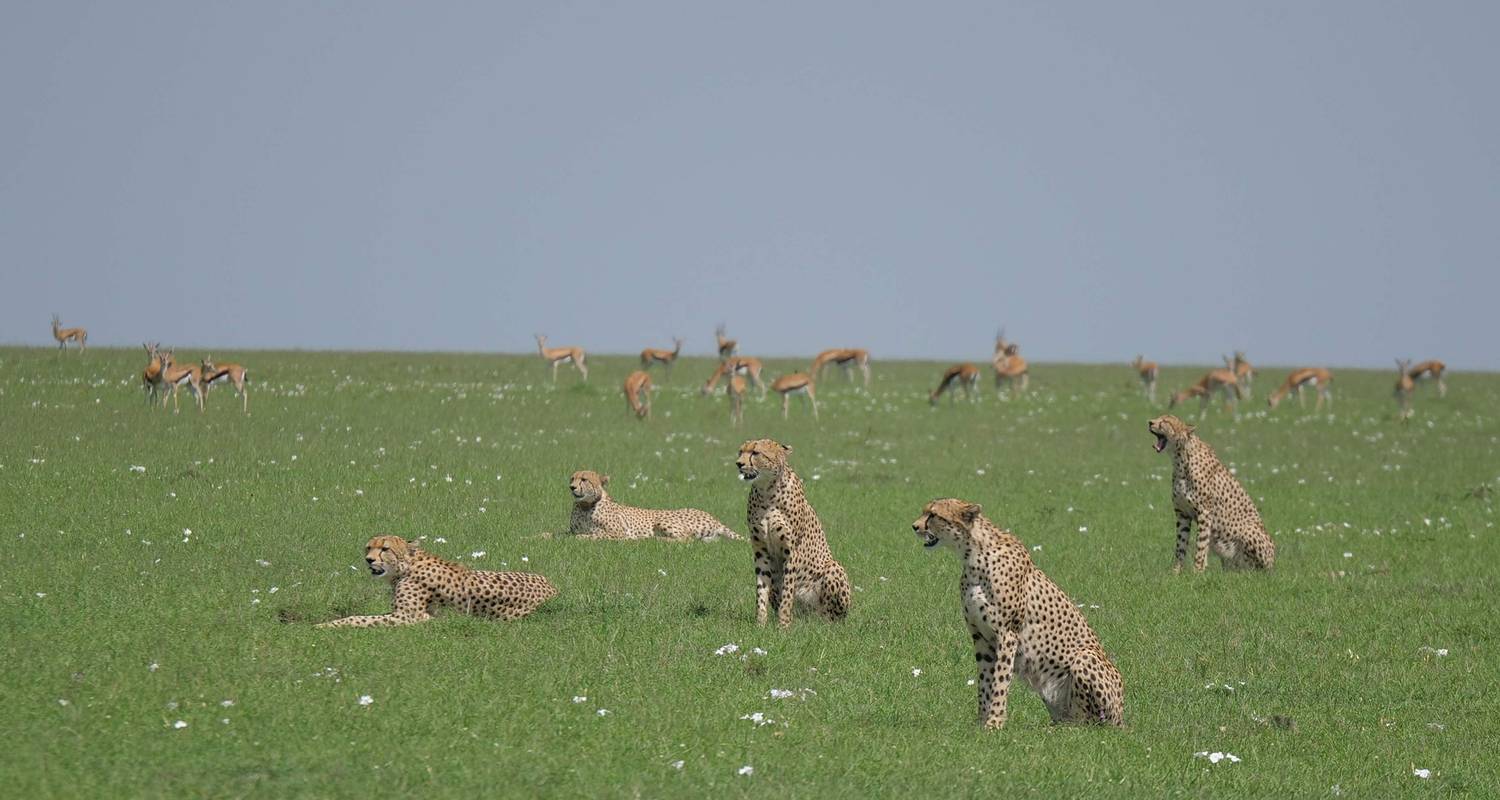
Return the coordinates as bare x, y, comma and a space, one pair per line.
419, 579
1204, 491
792, 561
1022, 623
596, 516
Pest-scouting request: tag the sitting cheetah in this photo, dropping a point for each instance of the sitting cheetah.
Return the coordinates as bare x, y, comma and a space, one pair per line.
1204, 491
792, 561
596, 516
1022, 624
419, 579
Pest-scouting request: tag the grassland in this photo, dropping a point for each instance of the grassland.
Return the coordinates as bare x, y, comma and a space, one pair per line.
144, 660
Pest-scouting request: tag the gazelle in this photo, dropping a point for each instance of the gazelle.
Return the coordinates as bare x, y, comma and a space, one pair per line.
736, 389
652, 355
1317, 377
727, 347
795, 383
965, 375
234, 373
77, 336
1433, 370
846, 357
151, 375
558, 356
175, 376
749, 366
1243, 372
1405, 385
638, 394
1215, 380
1147, 370
1010, 369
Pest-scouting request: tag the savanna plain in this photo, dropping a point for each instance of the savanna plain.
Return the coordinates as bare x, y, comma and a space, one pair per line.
164, 573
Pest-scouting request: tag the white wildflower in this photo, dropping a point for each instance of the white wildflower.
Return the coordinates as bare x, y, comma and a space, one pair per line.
365, 699
1424, 774
728, 649
179, 724
578, 698
678, 764
602, 712
747, 770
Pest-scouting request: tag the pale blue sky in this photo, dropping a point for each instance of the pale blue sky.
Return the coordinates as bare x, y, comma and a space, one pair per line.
1313, 182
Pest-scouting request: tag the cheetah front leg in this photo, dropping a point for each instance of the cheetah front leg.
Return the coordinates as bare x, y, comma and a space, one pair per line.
410, 607
764, 581
1200, 552
793, 576
1184, 528
996, 665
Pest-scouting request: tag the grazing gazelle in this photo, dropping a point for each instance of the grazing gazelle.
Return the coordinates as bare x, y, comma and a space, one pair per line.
1317, 377
234, 373
736, 389
151, 375
1243, 372
77, 336
749, 366
795, 383
1433, 370
846, 357
1010, 368
1147, 371
1215, 380
1405, 385
175, 377
652, 355
727, 347
965, 375
557, 356
638, 394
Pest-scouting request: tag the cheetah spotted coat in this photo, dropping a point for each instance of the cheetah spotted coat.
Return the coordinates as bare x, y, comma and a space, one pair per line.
596, 516
1022, 623
420, 580
1204, 492
793, 564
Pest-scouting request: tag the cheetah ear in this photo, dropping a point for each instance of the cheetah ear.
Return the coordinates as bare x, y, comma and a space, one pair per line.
969, 513
1190, 430
603, 480
786, 448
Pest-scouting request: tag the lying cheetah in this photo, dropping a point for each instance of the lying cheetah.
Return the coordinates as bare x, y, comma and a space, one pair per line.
1204, 491
596, 516
792, 561
419, 579
1022, 624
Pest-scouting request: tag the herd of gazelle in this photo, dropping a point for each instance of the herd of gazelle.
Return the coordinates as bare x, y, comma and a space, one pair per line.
1233, 382
162, 373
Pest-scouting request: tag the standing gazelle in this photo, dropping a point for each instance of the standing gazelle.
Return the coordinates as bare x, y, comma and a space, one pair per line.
638, 394
557, 356
1215, 380
652, 355
174, 376
736, 400
77, 336
1243, 372
1010, 369
151, 375
1404, 387
846, 357
795, 383
1147, 371
1319, 378
234, 373
1433, 370
748, 366
727, 347
958, 375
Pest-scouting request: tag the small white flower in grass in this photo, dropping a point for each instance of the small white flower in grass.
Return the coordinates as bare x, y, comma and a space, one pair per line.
602, 712
1215, 757
359, 492
728, 649
262, 562
224, 721
1424, 774
781, 694
757, 651
273, 590
179, 724
440, 540
578, 698
1083, 529
978, 472
916, 672
817, 477
477, 554
1036, 548
226, 703
678, 764
40, 595
137, 468
152, 667
970, 683
747, 770
365, 699
62, 701
526, 559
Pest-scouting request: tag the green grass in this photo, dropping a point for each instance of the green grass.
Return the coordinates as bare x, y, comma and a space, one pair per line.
1386, 546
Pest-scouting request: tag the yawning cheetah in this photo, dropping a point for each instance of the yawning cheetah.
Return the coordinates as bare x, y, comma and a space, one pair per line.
1203, 491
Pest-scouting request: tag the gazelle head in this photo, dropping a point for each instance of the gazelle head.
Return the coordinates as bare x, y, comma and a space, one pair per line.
208, 363
56, 322
1403, 365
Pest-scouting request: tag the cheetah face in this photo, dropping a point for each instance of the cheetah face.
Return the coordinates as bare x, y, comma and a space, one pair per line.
1168, 429
387, 555
587, 486
761, 459
946, 521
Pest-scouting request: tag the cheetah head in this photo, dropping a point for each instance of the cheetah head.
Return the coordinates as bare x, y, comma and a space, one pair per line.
587, 487
762, 459
1169, 430
949, 521
388, 556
